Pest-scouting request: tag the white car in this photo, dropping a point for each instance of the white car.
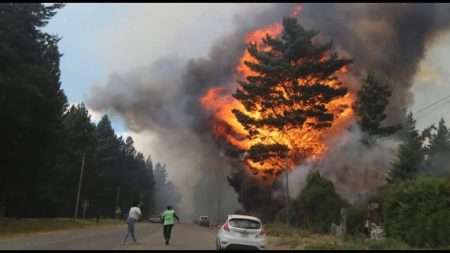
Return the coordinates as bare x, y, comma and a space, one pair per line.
241, 232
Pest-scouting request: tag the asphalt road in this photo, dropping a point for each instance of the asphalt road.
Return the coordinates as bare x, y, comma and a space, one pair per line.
149, 235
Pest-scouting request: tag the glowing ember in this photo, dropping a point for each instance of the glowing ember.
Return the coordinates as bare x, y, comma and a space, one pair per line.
295, 11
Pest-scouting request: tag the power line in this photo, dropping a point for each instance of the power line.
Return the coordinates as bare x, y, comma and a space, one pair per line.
428, 106
448, 102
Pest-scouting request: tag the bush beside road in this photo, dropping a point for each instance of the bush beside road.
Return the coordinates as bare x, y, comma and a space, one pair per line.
281, 237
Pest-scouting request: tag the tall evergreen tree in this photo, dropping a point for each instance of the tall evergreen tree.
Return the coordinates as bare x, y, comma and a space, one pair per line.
143, 185
440, 141
165, 191
373, 98
289, 90
32, 104
132, 173
80, 138
410, 154
104, 189
438, 149
160, 177
130, 151
151, 184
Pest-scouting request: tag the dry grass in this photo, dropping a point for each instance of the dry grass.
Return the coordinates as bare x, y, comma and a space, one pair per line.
281, 237
15, 227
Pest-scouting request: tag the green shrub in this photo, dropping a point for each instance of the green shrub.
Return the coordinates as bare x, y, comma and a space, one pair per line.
417, 211
281, 230
356, 215
318, 204
280, 217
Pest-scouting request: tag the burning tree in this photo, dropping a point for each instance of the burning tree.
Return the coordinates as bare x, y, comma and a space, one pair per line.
290, 96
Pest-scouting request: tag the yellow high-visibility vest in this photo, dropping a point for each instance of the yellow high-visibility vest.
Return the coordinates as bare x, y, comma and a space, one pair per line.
168, 217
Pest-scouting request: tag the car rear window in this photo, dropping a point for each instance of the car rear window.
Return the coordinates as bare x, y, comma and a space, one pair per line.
244, 223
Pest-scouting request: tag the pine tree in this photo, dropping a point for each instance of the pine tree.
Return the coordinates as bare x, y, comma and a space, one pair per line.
438, 160
441, 140
149, 191
160, 176
165, 191
107, 173
410, 154
373, 97
290, 90
32, 105
80, 138
131, 188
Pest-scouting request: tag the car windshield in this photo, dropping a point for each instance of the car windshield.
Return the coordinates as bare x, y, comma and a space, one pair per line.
244, 223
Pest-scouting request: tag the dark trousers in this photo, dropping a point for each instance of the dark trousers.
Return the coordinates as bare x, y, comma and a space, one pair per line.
167, 232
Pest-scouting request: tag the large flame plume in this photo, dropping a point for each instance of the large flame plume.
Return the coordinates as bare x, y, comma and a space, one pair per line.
304, 143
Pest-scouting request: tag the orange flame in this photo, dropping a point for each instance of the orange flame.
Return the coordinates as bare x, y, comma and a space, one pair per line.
256, 36
304, 142
295, 10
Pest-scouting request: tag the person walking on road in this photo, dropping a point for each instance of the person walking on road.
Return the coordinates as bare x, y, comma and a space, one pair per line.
168, 222
118, 213
133, 215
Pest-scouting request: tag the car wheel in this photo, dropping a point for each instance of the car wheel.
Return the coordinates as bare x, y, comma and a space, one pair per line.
218, 245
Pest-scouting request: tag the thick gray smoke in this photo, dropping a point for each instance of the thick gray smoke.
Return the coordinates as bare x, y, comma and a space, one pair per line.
163, 99
356, 170
390, 39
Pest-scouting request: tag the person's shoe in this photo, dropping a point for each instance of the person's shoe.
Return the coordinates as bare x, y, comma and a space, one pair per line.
167, 242
137, 242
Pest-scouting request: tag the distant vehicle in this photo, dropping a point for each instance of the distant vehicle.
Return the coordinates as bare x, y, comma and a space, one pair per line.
204, 221
241, 232
154, 218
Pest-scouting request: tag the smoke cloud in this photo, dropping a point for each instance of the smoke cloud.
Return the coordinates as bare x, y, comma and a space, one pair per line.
163, 98
390, 39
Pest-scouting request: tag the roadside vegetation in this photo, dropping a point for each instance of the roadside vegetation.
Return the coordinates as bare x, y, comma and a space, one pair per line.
360, 243
17, 227
280, 236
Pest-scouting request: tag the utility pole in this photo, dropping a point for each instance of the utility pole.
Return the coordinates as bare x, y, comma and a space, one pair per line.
287, 190
79, 185
218, 213
85, 206
117, 200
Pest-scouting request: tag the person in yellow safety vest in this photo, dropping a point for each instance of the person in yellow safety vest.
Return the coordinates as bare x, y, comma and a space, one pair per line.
168, 222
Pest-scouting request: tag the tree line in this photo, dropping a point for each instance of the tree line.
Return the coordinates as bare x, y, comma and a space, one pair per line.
415, 201
45, 142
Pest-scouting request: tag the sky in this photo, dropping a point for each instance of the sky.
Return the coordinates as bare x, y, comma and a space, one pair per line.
99, 39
